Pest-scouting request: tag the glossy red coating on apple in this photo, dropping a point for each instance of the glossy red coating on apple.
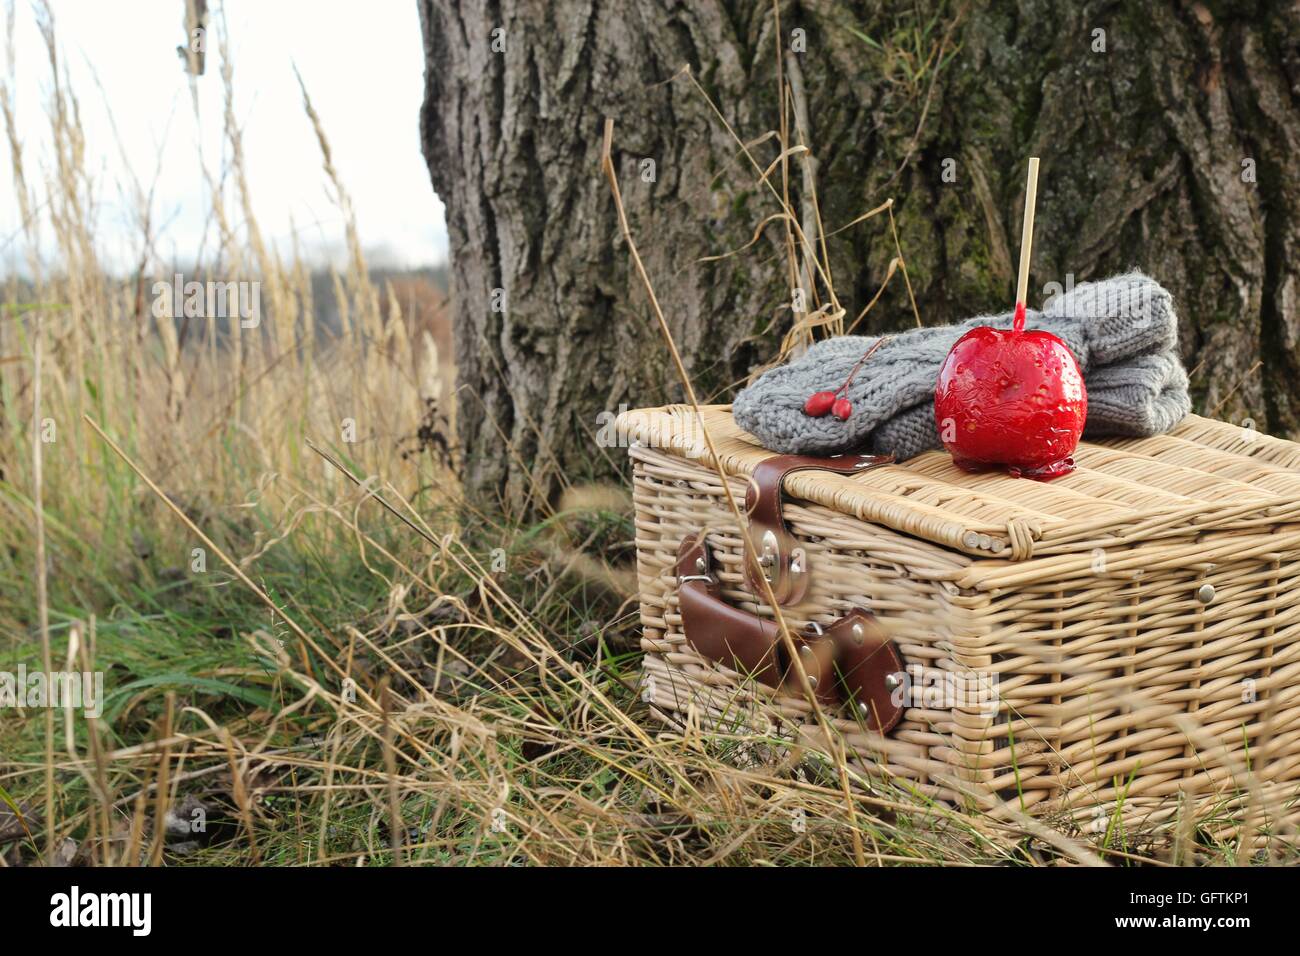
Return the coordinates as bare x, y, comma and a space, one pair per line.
1011, 399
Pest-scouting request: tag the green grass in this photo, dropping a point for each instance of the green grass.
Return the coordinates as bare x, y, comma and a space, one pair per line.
534, 734
526, 751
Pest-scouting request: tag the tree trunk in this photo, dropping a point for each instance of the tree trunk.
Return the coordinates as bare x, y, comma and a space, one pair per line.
1169, 142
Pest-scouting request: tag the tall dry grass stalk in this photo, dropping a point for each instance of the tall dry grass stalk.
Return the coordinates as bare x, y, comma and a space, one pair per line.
202, 403
202, 419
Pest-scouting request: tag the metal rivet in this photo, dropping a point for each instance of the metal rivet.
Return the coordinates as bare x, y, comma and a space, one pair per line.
812, 682
863, 709
1205, 593
892, 682
859, 633
806, 649
701, 565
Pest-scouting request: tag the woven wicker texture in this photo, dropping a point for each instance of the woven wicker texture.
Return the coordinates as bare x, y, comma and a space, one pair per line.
1064, 658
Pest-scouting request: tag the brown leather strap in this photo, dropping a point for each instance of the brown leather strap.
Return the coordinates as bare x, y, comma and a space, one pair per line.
852, 659
721, 632
783, 561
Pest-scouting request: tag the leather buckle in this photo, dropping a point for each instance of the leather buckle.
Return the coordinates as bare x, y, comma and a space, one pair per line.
851, 659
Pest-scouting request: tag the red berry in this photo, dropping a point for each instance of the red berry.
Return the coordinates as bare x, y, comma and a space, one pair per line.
818, 404
842, 409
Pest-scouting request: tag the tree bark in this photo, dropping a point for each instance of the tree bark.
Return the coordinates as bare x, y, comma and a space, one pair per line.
1169, 141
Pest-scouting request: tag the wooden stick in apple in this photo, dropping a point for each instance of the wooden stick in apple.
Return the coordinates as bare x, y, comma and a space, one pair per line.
1026, 243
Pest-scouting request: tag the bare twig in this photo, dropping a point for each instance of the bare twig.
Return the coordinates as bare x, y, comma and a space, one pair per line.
607, 164
42, 590
1232, 391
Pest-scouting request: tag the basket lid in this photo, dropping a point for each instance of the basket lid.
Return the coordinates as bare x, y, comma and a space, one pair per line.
1204, 475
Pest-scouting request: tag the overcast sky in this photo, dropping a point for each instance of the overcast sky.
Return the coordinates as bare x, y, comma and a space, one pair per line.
363, 66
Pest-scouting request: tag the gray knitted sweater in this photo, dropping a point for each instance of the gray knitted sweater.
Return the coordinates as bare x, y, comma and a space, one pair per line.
1122, 330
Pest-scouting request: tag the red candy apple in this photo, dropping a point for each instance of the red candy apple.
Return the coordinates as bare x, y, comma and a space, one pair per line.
1012, 399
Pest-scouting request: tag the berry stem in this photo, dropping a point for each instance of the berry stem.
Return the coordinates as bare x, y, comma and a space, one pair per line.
854, 371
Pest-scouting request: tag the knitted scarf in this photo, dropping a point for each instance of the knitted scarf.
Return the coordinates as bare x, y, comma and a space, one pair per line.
1123, 331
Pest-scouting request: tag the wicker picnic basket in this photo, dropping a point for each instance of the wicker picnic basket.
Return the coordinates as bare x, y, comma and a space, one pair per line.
1120, 646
